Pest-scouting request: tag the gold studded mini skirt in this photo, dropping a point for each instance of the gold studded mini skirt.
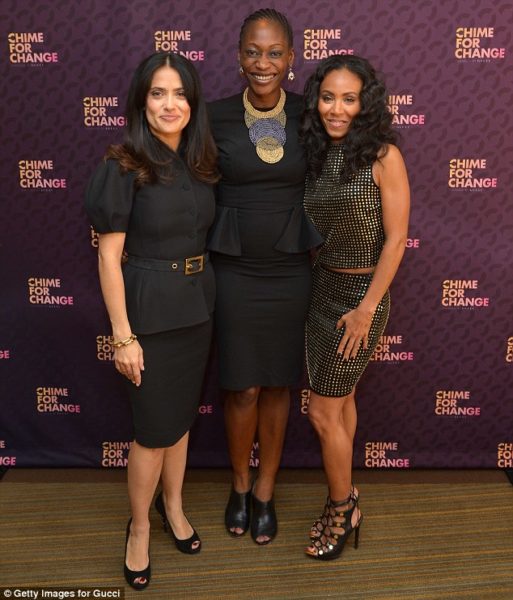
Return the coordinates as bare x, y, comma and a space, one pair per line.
333, 295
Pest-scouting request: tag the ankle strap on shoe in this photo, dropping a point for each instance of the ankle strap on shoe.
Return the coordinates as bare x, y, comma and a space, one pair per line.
350, 500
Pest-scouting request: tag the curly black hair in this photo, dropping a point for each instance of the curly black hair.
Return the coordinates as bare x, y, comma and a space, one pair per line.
370, 131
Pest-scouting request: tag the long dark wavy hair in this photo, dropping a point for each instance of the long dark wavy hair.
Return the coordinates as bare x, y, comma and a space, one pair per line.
146, 155
370, 131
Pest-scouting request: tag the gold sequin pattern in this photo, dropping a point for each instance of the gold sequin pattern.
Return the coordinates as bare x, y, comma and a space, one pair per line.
348, 216
333, 295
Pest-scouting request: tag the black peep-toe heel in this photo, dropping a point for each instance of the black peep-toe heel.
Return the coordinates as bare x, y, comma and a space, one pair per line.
132, 577
185, 546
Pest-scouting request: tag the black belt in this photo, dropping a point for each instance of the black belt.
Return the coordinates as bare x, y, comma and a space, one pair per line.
187, 266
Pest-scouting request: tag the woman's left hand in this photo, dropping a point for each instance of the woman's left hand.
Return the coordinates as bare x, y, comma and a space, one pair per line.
357, 323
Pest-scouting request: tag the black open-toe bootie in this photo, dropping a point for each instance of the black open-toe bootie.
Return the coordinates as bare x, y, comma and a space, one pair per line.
237, 511
263, 520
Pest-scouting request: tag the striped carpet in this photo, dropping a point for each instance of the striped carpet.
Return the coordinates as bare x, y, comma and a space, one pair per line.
418, 541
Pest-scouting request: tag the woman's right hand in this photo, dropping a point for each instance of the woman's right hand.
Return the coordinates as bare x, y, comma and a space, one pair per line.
129, 361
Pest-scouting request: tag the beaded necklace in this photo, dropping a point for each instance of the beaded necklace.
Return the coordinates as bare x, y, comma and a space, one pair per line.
266, 128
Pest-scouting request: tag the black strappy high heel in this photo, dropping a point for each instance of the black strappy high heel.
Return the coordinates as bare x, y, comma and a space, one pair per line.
132, 576
185, 546
320, 523
330, 543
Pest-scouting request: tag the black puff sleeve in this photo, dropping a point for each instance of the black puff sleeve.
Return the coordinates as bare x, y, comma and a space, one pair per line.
109, 197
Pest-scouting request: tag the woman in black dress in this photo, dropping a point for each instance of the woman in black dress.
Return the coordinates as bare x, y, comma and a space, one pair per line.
357, 195
260, 240
152, 199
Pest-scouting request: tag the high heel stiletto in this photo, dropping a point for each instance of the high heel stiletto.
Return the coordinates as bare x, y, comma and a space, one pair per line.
185, 546
320, 523
236, 515
330, 543
132, 576
263, 520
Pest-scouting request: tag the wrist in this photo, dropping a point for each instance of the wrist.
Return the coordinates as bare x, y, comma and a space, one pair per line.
122, 342
367, 309
121, 332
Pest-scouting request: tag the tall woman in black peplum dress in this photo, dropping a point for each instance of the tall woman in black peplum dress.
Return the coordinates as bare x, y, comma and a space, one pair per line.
260, 241
153, 198
357, 195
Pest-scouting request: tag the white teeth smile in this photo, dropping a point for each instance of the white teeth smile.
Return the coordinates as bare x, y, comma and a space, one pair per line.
263, 77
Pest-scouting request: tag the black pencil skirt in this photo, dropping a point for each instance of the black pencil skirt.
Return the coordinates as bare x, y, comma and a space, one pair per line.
165, 405
261, 307
333, 295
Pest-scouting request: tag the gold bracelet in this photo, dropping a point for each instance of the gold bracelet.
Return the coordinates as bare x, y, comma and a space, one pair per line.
122, 343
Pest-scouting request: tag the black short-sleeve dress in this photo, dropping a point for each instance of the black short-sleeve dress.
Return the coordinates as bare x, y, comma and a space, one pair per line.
170, 311
260, 244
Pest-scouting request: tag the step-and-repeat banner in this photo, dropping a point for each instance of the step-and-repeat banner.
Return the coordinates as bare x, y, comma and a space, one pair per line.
438, 392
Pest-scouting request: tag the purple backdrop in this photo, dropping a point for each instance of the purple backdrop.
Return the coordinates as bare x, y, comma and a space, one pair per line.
438, 393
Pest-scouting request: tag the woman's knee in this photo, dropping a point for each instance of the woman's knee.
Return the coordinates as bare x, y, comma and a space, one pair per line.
139, 451
318, 416
244, 398
325, 413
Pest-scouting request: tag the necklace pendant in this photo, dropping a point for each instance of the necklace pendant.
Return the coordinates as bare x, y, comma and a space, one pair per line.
266, 129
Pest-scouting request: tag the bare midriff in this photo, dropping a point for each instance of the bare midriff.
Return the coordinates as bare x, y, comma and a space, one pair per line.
362, 271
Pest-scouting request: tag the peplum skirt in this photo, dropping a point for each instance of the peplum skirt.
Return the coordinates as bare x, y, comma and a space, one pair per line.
333, 295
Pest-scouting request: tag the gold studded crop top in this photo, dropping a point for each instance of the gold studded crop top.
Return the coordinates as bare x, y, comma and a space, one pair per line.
347, 215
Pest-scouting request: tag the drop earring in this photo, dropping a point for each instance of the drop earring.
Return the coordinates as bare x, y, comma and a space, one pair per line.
241, 70
291, 75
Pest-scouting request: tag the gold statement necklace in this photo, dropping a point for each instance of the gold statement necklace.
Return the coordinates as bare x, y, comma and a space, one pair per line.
266, 128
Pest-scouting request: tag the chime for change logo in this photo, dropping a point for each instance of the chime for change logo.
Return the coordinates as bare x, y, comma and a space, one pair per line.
469, 44
55, 400
462, 174
455, 294
505, 455
42, 290
34, 175
384, 455
6, 461
21, 50
96, 115
115, 454
316, 42
173, 40
389, 350
455, 403
402, 108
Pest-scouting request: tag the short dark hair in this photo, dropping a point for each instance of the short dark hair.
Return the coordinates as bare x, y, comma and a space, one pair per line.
268, 14
370, 131
146, 154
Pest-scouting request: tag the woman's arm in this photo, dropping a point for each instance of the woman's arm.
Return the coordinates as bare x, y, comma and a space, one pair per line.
128, 359
390, 175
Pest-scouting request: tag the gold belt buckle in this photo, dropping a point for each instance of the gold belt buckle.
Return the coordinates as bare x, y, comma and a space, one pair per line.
194, 264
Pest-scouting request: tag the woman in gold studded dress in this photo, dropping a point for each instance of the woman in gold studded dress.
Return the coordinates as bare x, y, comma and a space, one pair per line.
259, 247
357, 196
